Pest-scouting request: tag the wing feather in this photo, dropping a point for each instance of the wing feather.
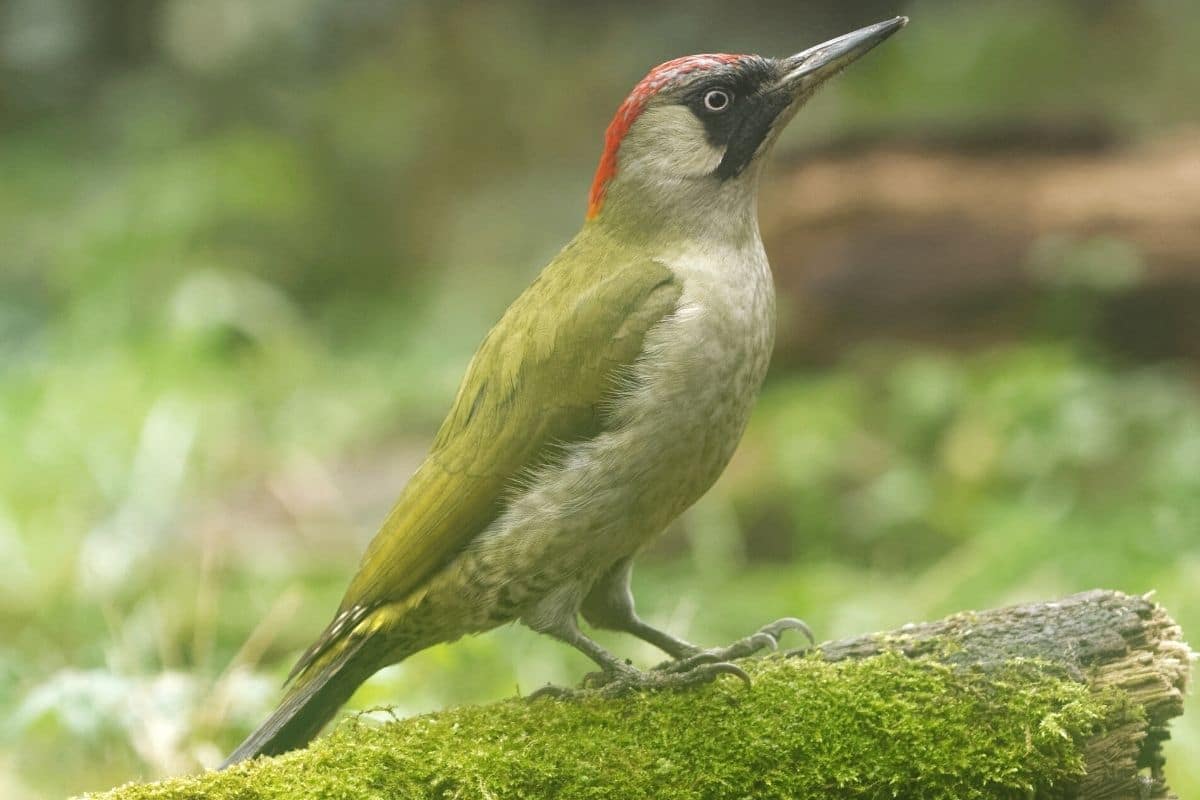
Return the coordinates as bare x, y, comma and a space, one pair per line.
539, 380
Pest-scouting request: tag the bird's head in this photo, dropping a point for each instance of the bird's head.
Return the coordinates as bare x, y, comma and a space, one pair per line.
689, 139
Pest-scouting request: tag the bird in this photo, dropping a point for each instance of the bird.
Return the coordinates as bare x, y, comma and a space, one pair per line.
607, 399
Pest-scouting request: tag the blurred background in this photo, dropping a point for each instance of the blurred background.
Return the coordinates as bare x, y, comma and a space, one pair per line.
246, 250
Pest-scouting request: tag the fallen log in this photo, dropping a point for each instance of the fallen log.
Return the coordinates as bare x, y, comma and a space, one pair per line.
1065, 699
955, 244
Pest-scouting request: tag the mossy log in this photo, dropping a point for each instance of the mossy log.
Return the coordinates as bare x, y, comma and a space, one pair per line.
1066, 699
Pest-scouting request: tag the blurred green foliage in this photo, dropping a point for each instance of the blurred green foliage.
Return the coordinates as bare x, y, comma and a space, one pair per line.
248, 248
915, 724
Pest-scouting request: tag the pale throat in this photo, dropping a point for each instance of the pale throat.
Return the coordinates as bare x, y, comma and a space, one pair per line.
667, 213
664, 185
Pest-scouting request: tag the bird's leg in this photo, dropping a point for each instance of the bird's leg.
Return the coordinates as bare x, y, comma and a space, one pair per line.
617, 677
609, 605
612, 669
555, 615
608, 663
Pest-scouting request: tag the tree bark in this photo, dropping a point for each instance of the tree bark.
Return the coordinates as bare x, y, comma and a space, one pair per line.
1105, 639
1064, 699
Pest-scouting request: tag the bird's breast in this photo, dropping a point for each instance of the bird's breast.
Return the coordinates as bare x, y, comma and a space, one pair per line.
671, 428
701, 371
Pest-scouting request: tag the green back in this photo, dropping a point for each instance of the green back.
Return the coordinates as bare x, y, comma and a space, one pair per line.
539, 380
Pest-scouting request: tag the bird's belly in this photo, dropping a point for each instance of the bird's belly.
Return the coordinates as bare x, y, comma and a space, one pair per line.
672, 431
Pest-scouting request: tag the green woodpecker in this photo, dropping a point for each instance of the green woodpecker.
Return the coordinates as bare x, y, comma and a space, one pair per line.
607, 400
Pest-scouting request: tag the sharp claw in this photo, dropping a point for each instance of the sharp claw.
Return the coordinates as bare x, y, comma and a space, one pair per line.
725, 668
685, 665
764, 639
701, 659
549, 691
597, 679
777, 628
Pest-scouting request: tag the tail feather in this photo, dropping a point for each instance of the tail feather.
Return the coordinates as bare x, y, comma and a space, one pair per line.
310, 702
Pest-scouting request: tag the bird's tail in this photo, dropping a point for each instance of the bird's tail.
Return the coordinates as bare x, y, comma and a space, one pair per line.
312, 700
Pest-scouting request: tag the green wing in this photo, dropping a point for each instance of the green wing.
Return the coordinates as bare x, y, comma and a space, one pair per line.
539, 379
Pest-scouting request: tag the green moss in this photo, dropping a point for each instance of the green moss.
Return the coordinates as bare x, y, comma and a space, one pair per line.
882, 727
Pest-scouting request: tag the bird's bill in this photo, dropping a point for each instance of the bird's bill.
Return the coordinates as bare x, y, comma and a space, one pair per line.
815, 65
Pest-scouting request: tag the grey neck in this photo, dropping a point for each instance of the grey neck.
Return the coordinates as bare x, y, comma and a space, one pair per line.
665, 212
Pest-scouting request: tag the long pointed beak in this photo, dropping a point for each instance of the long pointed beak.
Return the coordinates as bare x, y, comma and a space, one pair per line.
817, 64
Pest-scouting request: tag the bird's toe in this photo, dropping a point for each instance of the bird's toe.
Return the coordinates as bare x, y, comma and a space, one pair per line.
706, 673
703, 669
550, 692
765, 638
777, 628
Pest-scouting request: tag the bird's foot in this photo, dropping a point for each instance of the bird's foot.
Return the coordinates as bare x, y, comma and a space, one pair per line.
617, 672
625, 679
624, 682
765, 638
551, 692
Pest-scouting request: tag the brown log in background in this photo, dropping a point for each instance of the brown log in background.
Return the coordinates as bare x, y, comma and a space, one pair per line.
936, 241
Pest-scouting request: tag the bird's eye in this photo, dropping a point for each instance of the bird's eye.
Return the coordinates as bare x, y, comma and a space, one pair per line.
717, 100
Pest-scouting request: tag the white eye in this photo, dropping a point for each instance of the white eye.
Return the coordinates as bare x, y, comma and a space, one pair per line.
717, 100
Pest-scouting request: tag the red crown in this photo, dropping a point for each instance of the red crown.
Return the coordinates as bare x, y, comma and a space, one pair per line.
632, 108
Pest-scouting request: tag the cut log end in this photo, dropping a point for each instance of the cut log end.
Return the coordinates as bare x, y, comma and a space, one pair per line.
1111, 641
